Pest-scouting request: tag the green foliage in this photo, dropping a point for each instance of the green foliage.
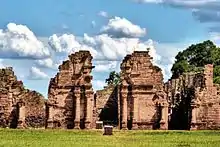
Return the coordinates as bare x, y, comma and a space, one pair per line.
113, 79
195, 57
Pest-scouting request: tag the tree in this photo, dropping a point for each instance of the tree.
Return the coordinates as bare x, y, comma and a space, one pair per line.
114, 78
197, 56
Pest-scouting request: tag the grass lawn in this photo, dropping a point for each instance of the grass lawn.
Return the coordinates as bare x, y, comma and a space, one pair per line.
74, 138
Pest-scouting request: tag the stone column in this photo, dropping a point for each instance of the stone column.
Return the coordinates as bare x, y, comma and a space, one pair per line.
119, 106
193, 120
124, 110
77, 93
164, 117
50, 116
21, 115
89, 109
136, 113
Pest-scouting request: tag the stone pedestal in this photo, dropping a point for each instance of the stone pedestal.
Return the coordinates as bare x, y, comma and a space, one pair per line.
99, 124
108, 130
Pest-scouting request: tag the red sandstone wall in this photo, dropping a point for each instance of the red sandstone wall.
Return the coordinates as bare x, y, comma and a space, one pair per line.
204, 110
12, 91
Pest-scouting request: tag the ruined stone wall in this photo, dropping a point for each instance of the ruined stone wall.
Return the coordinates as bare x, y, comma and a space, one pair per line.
143, 101
107, 105
12, 92
70, 95
101, 98
194, 101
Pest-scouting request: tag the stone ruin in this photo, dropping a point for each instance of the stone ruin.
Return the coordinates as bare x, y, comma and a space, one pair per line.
19, 107
140, 101
194, 101
143, 103
70, 96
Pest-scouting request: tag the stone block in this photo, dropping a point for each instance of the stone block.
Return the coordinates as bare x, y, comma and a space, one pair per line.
99, 124
108, 130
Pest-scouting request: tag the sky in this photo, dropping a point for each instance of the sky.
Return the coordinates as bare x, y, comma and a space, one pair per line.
37, 36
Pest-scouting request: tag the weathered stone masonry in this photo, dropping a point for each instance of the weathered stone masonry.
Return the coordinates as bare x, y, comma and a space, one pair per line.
70, 96
19, 107
140, 101
194, 101
143, 103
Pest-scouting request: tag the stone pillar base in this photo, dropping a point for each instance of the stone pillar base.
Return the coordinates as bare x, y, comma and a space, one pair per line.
21, 125
194, 126
134, 125
163, 125
87, 125
124, 126
145, 125
50, 124
77, 125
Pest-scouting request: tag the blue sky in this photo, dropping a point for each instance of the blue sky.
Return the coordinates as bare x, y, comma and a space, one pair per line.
35, 36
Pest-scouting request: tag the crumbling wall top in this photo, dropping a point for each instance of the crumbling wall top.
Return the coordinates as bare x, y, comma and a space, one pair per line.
138, 69
74, 71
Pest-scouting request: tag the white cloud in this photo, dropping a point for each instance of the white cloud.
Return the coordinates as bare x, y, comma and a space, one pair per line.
1, 64
102, 47
189, 3
18, 41
215, 37
36, 74
98, 84
64, 43
121, 27
47, 63
103, 14
193, 3
105, 66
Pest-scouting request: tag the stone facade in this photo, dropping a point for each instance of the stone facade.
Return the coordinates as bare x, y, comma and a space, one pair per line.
194, 101
143, 103
70, 95
19, 107
140, 101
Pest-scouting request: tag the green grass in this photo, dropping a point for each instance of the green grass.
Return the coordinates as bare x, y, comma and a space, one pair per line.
74, 138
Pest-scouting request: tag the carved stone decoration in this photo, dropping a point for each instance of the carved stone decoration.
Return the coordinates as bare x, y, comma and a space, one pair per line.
141, 83
71, 95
